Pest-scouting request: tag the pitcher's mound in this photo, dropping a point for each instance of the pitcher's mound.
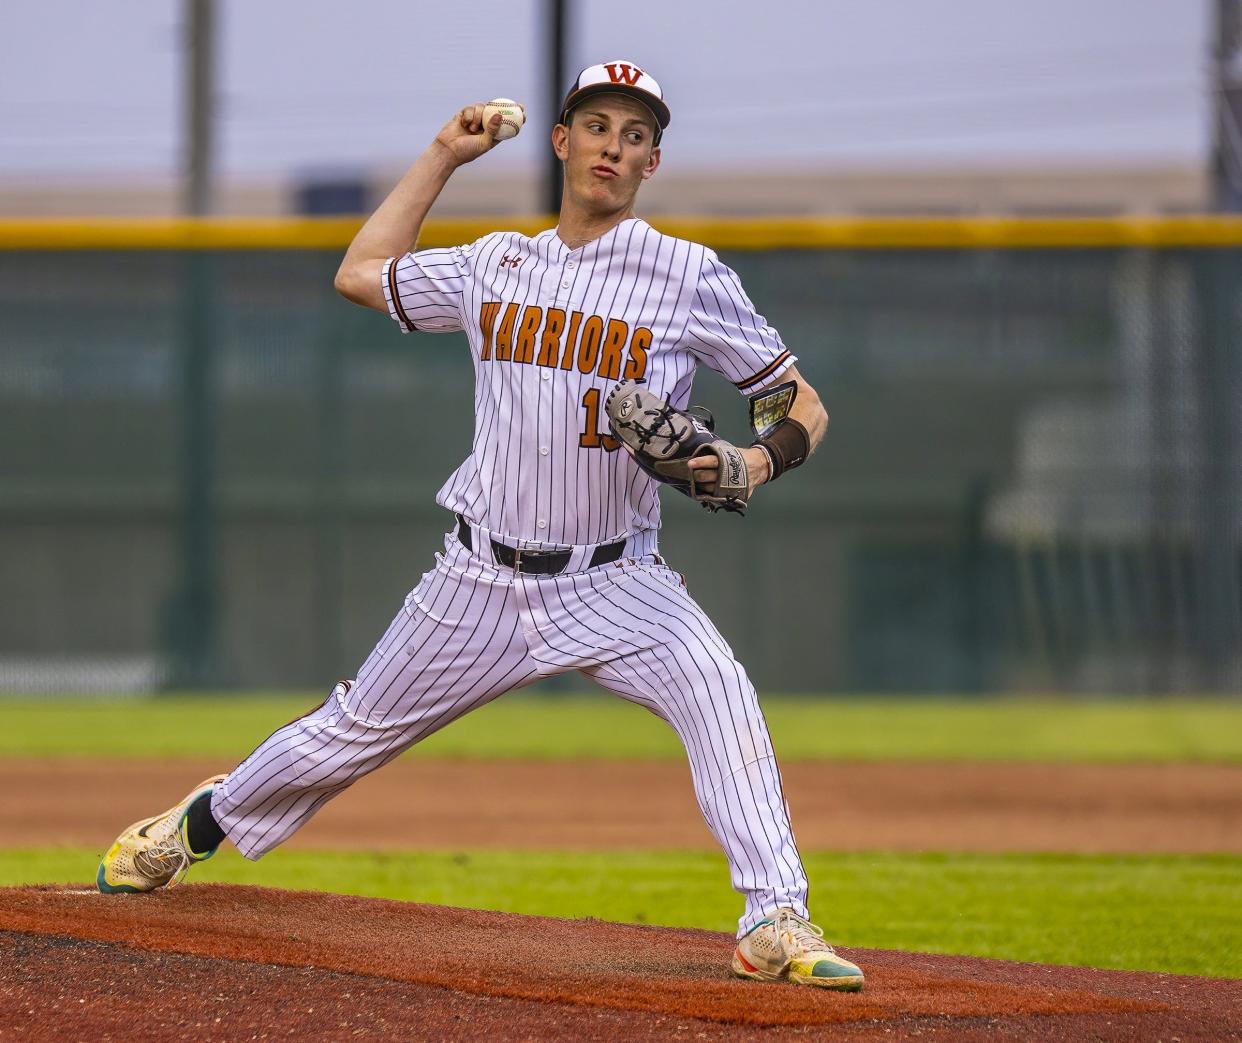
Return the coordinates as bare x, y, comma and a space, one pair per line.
219, 961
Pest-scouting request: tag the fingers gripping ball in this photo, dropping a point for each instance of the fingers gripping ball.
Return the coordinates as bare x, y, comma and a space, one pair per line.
512, 116
663, 440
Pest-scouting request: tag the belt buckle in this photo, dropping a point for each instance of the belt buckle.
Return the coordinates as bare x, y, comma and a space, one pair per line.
517, 559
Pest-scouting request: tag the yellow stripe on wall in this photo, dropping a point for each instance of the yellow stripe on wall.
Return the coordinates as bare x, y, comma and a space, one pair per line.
723, 233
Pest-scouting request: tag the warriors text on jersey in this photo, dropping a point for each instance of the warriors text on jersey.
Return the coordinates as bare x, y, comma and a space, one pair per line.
551, 330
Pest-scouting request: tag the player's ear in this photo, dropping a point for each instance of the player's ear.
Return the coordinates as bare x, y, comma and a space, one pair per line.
560, 141
653, 161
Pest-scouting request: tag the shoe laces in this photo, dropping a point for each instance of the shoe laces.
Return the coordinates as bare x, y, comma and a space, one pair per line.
800, 932
154, 860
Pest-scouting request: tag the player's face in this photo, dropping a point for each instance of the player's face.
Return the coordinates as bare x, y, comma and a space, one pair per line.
608, 150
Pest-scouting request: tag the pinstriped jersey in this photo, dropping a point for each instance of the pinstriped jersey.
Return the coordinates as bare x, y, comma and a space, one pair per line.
551, 330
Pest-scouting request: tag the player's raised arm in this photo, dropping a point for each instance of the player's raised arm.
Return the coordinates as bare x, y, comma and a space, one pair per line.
393, 229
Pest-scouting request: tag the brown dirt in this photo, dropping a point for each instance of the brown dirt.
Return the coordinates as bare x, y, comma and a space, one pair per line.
219, 962
1176, 808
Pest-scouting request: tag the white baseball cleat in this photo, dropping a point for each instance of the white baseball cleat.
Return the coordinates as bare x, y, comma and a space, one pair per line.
153, 852
787, 947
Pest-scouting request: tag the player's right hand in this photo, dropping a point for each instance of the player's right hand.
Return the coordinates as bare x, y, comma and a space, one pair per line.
465, 136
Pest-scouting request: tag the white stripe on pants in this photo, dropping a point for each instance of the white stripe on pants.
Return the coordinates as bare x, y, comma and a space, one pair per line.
471, 631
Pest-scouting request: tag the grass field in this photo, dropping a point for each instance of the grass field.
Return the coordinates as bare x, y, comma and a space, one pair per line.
542, 727
1176, 914
1181, 914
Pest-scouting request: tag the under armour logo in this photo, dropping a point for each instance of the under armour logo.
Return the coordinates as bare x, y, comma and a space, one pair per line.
512, 262
621, 72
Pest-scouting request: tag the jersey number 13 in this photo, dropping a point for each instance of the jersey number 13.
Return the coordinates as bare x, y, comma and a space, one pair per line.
590, 437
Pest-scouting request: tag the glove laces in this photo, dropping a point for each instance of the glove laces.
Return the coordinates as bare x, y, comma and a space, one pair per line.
661, 426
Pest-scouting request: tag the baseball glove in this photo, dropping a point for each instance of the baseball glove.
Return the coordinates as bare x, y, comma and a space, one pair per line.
663, 440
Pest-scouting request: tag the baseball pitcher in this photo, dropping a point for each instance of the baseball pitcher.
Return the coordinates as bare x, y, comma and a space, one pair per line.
585, 340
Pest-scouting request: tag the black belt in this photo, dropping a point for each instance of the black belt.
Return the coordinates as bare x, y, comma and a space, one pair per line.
538, 562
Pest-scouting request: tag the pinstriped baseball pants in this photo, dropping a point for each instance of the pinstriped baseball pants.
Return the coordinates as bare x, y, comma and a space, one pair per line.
471, 631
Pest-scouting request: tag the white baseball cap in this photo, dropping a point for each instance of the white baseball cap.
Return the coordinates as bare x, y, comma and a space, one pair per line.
619, 77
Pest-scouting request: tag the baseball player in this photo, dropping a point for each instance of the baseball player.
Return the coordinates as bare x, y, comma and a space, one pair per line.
585, 340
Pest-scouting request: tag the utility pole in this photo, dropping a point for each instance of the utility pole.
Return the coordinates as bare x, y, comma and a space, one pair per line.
199, 28
1218, 369
1227, 117
558, 83
190, 620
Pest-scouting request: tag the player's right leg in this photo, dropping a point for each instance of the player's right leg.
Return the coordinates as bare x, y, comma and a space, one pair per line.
455, 644
156, 852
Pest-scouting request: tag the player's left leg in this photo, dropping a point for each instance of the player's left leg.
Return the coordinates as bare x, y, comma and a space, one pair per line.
698, 687
688, 675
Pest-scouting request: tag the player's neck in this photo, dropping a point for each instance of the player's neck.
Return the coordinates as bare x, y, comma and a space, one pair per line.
576, 228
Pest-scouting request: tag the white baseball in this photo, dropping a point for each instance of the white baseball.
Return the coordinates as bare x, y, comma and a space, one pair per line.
512, 116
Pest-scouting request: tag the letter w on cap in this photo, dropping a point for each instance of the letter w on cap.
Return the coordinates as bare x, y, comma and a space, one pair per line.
619, 72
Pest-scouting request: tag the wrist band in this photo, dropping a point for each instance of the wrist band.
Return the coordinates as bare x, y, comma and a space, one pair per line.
787, 446
770, 458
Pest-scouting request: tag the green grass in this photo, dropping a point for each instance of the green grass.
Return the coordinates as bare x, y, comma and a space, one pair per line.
1180, 914
549, 727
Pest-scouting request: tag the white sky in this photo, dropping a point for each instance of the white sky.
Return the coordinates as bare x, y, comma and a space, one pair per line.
319, 85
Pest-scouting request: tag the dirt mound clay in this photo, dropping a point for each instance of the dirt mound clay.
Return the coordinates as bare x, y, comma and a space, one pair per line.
225, 962
590, 805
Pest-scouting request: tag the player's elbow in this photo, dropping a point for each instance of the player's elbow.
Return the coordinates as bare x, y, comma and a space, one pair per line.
346, 282
815, 416
358, 281
818, 424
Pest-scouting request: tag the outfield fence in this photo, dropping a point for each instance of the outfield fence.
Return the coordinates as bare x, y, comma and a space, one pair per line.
215, 472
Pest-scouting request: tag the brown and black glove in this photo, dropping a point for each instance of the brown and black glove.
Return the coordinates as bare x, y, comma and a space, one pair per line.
663, 440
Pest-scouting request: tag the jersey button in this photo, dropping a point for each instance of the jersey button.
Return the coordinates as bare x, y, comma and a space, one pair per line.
543, 450
542, 523
547, 376
565, 284
571, 266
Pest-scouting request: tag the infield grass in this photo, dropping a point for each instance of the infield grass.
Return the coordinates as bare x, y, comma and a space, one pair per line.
539, 727
1177, 914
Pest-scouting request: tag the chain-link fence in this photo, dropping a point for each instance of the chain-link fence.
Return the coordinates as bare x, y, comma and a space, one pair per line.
216, 472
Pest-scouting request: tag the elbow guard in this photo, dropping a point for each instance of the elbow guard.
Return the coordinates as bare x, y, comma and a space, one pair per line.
788, 444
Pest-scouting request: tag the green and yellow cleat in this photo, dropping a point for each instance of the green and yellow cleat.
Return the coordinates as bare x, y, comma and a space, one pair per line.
153, 853
787, 947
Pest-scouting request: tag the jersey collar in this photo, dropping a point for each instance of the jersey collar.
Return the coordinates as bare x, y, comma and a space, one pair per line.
560, 248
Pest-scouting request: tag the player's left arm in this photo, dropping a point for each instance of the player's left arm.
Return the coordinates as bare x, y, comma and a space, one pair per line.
725, 332
807, 410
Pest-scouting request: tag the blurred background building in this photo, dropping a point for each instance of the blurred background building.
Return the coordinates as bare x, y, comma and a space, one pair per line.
798, 106
214, 472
